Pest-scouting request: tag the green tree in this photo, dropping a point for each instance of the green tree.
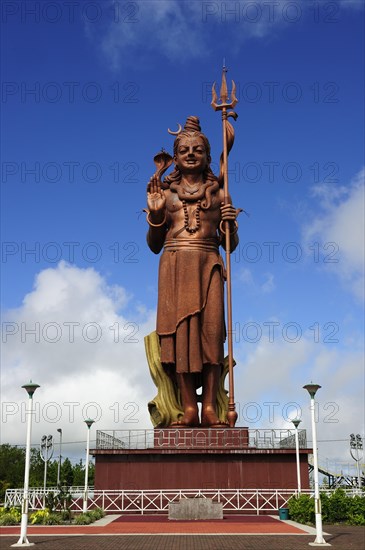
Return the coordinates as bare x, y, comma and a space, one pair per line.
67, 473
12, 462
91, 473
79, 474
36, 474
52, 473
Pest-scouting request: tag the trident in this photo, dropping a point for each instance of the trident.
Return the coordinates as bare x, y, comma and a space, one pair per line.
227, 128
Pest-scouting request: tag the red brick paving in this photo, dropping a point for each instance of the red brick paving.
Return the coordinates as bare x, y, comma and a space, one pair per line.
230, 525
341, 537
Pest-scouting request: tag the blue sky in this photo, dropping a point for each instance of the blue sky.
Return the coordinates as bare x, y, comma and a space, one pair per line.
89, 90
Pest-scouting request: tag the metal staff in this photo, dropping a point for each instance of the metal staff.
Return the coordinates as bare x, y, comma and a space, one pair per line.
223, 106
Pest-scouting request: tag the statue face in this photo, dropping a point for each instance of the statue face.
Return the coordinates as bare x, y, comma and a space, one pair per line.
191, 156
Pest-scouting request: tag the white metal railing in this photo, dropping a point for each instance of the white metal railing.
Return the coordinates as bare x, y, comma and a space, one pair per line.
196, 438
14, 497
254, 501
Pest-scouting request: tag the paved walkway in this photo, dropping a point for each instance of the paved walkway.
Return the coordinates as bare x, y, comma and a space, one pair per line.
161, 525
146, 533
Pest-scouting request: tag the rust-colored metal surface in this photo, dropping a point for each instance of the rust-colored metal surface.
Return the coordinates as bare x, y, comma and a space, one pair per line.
185, 469
189, 216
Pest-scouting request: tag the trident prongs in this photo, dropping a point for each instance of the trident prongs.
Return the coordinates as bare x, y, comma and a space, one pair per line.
225, 104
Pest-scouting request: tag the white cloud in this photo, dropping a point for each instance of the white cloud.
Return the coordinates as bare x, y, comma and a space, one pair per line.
269, 380
245, 276
268, 285
187, 30
341, 221
74, 337
109, 380
167, 27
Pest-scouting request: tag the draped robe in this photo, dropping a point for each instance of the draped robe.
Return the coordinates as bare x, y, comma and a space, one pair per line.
190, 312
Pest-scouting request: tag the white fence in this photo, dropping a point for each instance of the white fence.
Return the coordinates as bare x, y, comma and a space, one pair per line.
247, 501
14, 497
235, 500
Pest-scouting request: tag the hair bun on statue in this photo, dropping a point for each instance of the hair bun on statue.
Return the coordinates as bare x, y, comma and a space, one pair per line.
192, 124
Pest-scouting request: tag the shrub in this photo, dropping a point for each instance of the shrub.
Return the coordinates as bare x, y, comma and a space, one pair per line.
96, 514
336, 508
63, 499
357, 510
8, 519
301, 509
357, 505
89, 517
83, 519
52, 519
37, 518
50, 500
16, 512
356, 519
45, 517
10, 516
66, 515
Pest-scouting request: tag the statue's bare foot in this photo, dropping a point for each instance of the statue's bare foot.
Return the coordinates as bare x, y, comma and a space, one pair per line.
210, 418
189, 419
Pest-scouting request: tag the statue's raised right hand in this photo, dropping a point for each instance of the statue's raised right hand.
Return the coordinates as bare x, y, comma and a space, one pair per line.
156, 200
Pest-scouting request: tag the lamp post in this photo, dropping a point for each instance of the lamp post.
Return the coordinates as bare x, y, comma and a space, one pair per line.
356, 444
88, 423
296, 423
23, 541
319, 540
59, 459
46, 452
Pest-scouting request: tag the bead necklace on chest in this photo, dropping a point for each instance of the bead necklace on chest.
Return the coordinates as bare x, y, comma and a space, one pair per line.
187, 226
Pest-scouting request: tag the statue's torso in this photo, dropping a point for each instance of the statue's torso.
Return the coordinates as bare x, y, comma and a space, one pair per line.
175, 217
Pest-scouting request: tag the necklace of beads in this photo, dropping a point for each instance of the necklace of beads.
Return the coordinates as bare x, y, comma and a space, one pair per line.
186, 217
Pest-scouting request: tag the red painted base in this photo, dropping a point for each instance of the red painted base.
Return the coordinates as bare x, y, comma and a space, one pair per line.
199, 459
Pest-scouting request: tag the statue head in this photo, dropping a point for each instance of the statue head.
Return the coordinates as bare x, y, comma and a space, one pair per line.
192, 129
210, 184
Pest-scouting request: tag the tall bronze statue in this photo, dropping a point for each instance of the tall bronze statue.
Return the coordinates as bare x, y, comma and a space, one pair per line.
190, 216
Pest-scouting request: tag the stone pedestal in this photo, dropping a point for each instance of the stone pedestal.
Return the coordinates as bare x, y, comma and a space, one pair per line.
195, 508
